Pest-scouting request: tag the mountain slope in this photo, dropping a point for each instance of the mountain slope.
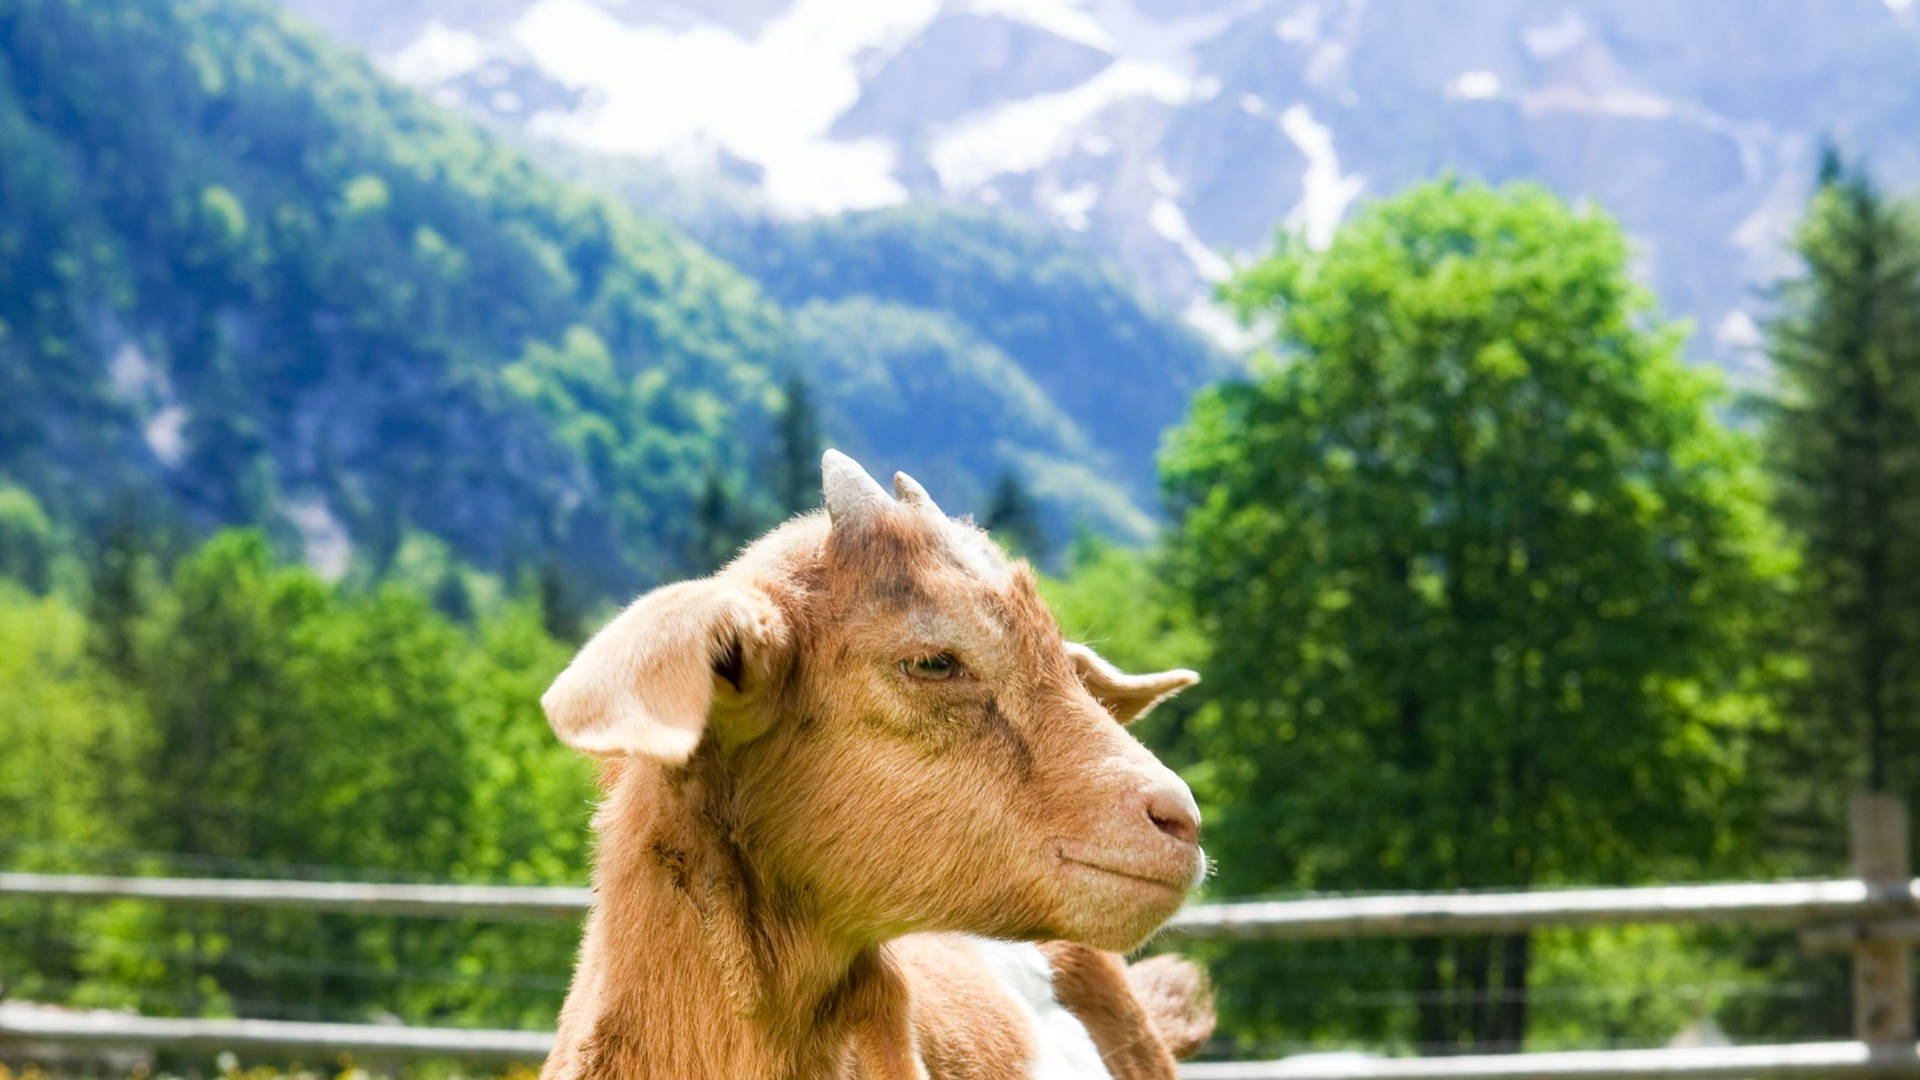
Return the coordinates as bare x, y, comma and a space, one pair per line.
1173, 133
246, 279
250, 279
1076, 330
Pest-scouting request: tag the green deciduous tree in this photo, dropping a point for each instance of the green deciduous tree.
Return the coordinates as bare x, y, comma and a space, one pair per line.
1482, 576
71, 748
267, 722
1117, 600
26, 539
1844, 435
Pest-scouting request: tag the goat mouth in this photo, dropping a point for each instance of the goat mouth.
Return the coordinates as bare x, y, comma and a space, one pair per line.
1177, 886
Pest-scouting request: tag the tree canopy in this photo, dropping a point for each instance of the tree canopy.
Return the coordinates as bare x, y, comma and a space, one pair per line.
1843, 440
1479, 570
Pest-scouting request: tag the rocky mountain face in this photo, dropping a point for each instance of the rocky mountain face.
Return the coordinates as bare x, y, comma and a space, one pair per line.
1174, 135
245, 279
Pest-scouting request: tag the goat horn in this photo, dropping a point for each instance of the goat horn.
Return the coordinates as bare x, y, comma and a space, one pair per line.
911, 494
851, 495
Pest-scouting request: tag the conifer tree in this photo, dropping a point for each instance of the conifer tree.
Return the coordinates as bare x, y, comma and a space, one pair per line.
797, 448
1844, 442
1013, 517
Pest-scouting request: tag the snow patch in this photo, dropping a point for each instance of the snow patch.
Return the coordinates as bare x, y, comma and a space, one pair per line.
1627, 104
1160, 179
1548, 40
1325, 194
165, 432
1167, 219
1226, 331
1023, 135
438, 54
1474, 85
130, 371
644, 76
1324, 66
1738, 331
1072, 205
1062, 18
322, 536
1300, 28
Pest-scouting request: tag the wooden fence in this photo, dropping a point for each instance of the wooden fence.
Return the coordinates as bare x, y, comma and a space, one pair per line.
1875, 915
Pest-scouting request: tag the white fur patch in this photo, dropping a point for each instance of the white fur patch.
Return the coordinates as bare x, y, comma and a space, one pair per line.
1062, 1048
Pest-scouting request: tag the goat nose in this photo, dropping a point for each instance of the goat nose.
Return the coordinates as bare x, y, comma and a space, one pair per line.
1173, 811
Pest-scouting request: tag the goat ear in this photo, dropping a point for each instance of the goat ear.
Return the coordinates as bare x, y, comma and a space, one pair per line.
1127, 697
647, 682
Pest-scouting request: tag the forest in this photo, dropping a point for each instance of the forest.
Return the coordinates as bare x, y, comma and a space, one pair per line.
1491, 586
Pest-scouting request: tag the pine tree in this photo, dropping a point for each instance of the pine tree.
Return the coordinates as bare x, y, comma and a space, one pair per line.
451, 597
560, 611
26, 540
1013, 516
718, 531
120, 585
1844, 437
797, 448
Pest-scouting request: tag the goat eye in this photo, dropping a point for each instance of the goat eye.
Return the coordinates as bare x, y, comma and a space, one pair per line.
935, 667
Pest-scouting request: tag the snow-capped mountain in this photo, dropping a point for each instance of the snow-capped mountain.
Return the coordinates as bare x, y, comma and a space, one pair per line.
1175, 135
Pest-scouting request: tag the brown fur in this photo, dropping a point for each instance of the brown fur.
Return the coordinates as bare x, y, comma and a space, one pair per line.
1174, 993
789, 794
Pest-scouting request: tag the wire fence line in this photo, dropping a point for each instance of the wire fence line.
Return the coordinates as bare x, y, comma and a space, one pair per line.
1874, 916
1835, 1059
1413, 915
363, 898
99, 1027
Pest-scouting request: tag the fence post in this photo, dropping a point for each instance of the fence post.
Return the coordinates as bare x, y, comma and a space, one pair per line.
1882, 969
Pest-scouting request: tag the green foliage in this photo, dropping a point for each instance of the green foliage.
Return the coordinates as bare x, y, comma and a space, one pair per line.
69, 737
71, 745
797, 448
261, 718
1012, 517
1072, 328
238, 269
952, 410
1483, 580
1843, 432
1626, 986
27, 545
1118, 601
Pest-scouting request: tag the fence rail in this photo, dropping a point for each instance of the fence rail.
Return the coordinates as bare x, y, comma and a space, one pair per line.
38, 1023
1412, 915
1833, 1059
1875, 915
449, 901
98, 1027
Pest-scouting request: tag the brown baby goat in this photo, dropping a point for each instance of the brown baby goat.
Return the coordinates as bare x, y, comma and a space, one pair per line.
824, 765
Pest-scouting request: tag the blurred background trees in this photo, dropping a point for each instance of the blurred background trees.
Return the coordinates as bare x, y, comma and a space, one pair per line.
328, 426
1842, 431
1481, 576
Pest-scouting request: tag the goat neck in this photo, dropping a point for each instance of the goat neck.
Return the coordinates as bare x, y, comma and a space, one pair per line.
695, 966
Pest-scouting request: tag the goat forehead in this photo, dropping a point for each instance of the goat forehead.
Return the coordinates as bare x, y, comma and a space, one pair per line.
971, 552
